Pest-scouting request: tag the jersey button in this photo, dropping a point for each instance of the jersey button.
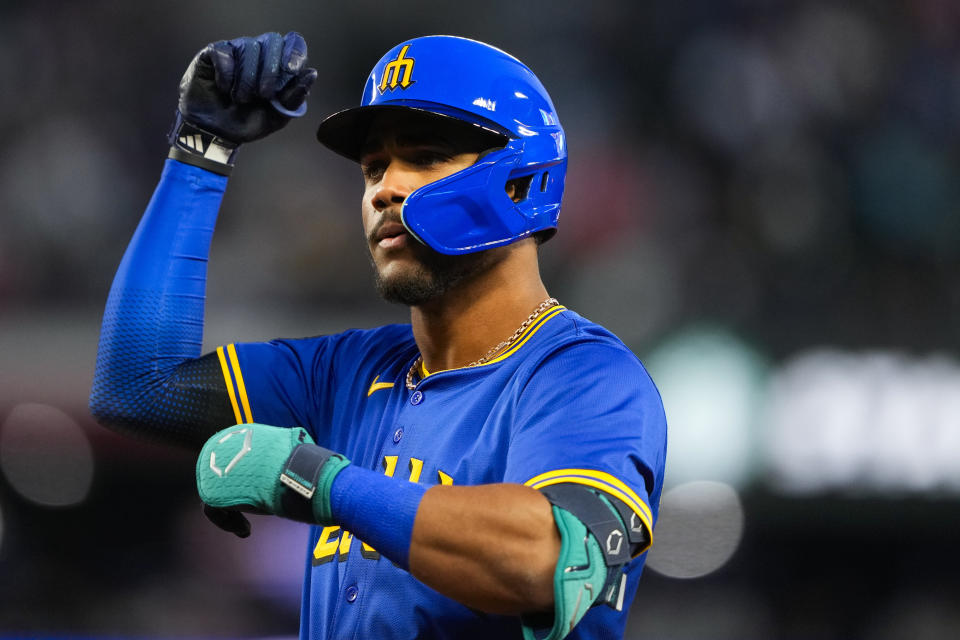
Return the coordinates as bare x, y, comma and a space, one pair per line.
416, 398
352, 593
397, 435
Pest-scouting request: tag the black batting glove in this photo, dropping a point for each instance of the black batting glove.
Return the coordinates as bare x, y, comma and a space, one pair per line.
236, 91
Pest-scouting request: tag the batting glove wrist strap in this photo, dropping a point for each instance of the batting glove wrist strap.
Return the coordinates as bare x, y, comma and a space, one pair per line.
308, 474
192, 145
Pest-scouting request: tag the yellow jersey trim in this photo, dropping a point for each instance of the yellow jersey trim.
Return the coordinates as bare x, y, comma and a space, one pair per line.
241, 388
526, 335
604, 482
226, 378
376, 386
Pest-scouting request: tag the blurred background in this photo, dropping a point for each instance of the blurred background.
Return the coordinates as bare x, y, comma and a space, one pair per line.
762, 201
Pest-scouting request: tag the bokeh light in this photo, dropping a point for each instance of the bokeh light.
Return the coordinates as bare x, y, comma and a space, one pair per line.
45, 455
908, 193
699, 529
712, 384
730, 90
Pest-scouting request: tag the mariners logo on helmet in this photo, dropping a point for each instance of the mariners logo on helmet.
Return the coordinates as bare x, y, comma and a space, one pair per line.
392, 77
482, 87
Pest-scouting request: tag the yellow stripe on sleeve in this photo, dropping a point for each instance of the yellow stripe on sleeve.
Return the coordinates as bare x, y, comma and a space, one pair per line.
599, 480
232, 350
591, 478
226, 378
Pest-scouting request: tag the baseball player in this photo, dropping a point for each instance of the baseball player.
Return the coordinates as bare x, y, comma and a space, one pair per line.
490, 470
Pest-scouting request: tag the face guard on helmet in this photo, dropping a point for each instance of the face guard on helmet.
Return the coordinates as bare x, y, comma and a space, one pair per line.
473, 82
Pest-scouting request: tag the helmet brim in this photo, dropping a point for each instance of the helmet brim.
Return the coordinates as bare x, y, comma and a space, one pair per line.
345, 132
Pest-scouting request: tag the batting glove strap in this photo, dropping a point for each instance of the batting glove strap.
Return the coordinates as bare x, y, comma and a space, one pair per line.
609, 521
192, 145
308, 475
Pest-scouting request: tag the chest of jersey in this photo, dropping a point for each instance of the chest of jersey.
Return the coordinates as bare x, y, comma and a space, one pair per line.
454, 428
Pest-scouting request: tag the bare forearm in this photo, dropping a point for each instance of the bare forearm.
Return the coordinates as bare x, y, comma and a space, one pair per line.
490, 547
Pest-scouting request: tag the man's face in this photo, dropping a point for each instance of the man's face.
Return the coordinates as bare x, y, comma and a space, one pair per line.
403, 152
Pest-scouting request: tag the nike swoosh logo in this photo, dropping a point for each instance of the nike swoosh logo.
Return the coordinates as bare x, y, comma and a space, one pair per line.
376, 386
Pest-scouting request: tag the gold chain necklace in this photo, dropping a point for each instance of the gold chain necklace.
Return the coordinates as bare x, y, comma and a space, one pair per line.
543, 306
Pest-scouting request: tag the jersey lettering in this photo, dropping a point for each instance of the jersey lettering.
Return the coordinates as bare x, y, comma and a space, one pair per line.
326, 548
416, 467
345, 540
389, 465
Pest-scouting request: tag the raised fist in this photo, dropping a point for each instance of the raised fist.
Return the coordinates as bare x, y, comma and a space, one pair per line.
246, 88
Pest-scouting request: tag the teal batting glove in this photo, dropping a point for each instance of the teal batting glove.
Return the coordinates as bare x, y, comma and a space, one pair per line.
262, 469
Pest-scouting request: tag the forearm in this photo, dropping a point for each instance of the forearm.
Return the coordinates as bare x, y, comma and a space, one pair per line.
153, 322
491, 547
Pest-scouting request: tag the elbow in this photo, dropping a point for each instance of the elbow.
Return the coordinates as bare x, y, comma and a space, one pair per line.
112, 408
101, 411
523, 586
536, 552
136, 413
537, 579
105, 409
105, 402
122, 391
99, 408
529, 566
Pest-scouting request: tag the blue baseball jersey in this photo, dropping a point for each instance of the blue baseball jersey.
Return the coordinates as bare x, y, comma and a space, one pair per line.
567, 403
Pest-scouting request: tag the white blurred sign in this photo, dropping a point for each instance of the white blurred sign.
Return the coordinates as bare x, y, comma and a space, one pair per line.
873, 421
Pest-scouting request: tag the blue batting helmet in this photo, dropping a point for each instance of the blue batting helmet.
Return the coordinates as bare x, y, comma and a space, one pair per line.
479, 84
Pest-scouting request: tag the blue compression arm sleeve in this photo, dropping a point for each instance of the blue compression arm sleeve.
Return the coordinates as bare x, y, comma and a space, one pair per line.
153, 322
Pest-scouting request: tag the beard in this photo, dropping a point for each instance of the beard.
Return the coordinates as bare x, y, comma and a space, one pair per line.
433, 277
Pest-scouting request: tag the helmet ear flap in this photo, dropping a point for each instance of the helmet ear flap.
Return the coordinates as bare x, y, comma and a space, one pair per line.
469, 210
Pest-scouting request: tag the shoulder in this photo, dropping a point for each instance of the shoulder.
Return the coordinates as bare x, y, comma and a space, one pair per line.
387, 336
581, 361
572, 340
383, 351
391, 336
347, 348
